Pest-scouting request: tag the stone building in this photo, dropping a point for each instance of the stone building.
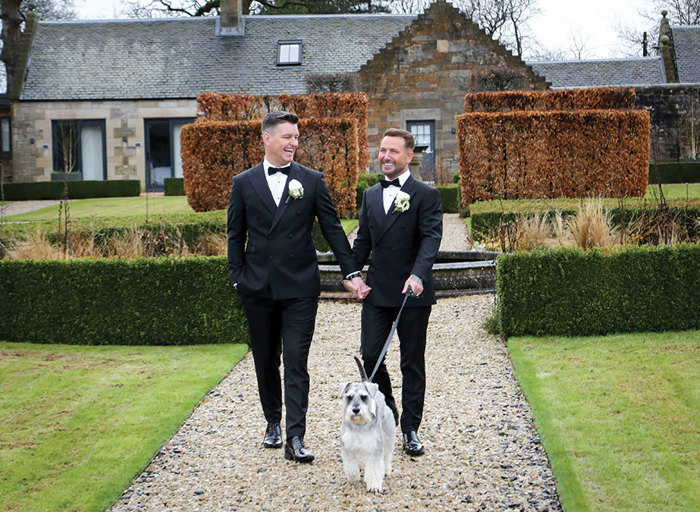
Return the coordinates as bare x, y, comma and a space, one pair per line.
668, 85
106, 99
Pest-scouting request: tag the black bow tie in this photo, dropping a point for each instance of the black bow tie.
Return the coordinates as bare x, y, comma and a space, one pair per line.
388, 183
283, 170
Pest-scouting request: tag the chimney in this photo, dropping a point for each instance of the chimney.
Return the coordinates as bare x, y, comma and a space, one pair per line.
668, 53
230, 22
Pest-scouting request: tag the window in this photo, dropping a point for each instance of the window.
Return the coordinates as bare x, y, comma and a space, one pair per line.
163, 157
79, 147
5, 140
424, 133
288, 53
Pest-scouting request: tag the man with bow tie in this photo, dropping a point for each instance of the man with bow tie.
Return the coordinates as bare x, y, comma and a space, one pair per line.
273, 206
401, 225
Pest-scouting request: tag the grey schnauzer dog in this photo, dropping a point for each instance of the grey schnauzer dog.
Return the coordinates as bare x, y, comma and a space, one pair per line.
367, 434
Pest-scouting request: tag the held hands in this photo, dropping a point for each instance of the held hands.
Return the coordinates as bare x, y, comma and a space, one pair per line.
357, 287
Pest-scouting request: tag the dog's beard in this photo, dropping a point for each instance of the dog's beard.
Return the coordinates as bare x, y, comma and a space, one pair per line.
360, 419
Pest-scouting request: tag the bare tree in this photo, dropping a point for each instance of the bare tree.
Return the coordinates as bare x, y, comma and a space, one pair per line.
577, 44
408, 6
679, 12
14, 14
506, 20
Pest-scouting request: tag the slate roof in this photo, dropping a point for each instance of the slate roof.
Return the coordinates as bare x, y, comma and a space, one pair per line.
602, 72
686, 44
180, 58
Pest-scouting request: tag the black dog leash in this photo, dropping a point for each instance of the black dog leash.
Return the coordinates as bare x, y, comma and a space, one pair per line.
386, 344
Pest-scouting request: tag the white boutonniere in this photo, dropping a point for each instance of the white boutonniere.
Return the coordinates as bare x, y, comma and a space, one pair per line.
402, 203
296, 191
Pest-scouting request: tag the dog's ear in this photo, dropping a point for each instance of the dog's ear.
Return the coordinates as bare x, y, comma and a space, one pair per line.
372, 389
344, 387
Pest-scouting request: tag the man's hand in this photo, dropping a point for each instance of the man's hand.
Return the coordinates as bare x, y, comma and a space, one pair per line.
415, 284
357, 287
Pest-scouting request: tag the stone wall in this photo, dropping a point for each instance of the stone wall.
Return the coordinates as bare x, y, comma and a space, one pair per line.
424, 73
675, 120
31, 133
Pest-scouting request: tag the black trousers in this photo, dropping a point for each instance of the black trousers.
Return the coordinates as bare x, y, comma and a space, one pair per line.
282, 327
376, 325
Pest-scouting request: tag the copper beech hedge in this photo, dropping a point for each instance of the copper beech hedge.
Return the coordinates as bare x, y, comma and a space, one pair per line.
214, 151
528, 154
245, 107
570, 99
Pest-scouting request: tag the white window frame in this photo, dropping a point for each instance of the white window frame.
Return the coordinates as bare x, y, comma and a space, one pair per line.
284, 53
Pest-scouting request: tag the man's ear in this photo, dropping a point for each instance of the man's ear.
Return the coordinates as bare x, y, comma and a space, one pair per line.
266, 138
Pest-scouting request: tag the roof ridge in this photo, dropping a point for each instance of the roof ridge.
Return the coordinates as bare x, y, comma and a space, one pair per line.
611, 59
201, 18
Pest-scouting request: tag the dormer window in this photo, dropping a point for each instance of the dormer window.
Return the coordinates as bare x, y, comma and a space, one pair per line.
288, 53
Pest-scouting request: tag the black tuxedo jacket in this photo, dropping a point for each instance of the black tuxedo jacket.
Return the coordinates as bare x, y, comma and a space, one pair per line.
401, 243
279, 259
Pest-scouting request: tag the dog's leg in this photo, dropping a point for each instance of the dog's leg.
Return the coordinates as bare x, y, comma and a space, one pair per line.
388, 453
374, 474
351, 467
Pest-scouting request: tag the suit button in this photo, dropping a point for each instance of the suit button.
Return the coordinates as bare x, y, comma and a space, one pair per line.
270, 258
269, 237
291, 235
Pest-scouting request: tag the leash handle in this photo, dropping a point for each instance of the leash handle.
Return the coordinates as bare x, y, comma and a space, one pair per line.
391, 334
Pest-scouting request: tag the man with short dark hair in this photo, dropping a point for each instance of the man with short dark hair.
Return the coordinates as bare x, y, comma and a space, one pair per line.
273, 206
401, 225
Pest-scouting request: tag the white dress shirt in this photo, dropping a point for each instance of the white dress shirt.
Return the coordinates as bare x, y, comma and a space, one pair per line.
277, 181
389, 193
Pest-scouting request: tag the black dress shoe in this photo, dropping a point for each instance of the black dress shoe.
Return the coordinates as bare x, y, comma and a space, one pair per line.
295, 450
411, 444
273, 436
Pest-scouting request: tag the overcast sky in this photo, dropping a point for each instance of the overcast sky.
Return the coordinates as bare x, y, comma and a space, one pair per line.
593, 21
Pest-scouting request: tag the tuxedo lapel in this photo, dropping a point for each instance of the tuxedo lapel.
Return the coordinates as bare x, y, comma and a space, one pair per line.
294, 174
262, 189
393, 215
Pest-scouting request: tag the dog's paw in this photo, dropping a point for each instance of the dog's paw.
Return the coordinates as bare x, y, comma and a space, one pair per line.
374, 489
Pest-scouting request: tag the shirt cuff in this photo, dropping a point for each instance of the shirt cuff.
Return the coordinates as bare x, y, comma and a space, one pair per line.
352, 275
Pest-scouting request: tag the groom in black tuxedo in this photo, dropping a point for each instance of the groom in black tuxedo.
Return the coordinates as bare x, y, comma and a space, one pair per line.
276, 273
401, 225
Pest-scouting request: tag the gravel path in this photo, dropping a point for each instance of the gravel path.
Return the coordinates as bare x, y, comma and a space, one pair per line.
482, 450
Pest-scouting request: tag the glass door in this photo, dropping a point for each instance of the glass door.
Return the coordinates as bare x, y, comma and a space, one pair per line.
163, 159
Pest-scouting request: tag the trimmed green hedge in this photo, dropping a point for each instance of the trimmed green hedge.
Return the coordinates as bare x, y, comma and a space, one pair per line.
450, 198
76, 189
174, 186
581, 293
485, 222
674, 172
160, 301
364, 181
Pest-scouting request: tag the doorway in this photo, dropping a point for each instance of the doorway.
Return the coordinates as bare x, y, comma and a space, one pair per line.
163, 159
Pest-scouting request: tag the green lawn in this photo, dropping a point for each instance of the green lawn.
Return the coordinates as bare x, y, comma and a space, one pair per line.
675, 191
112, 207
132, 209
78, 423
618, 416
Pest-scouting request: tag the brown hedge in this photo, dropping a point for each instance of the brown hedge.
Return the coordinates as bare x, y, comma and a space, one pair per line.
229, 107
245, 107
214, 151
570, 99
523, 155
